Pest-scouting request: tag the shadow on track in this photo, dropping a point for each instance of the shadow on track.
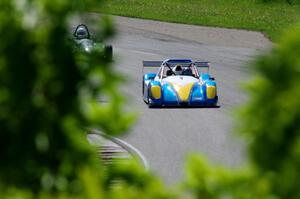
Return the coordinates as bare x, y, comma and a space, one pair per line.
184, 107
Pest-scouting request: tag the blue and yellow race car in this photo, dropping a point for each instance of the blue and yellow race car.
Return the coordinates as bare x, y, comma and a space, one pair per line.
179, 82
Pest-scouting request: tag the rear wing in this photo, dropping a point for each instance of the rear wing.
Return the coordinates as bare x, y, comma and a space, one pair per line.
152, 63
172, 63
201, 64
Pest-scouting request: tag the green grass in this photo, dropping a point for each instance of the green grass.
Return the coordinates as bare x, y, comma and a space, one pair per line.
270, 18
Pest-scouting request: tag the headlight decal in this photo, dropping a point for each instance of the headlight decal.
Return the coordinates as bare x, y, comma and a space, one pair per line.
211, 92
156, 92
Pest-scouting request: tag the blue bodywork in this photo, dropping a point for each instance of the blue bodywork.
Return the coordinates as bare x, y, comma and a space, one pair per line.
169, 97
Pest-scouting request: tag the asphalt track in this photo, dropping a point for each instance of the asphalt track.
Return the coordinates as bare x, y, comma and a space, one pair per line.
167, 136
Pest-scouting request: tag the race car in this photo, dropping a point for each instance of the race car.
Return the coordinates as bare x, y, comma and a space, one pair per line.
179, 82
83, 42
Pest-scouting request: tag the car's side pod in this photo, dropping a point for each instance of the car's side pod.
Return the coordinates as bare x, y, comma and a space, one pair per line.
155, 93
210, 89
206, 77
149, 76
152, 90
155, 90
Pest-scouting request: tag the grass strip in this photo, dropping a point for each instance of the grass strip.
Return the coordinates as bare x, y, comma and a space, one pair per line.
269, 18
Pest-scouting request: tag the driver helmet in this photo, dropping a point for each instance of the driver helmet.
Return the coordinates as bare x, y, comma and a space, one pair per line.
177, 69
82, 32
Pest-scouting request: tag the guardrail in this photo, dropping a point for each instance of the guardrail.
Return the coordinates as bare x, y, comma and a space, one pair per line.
115, 148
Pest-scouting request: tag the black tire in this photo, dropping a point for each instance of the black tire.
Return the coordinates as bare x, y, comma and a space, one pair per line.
151, 106
108, 52
143, 87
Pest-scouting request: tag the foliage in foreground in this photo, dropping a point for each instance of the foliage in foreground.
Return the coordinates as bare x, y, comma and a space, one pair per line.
270, 124
271, 119
48, 96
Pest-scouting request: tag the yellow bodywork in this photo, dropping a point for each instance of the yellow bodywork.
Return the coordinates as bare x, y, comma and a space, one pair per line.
211, 92
156, 92
183, 91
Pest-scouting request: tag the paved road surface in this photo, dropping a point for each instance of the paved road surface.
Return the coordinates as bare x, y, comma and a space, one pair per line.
167, 136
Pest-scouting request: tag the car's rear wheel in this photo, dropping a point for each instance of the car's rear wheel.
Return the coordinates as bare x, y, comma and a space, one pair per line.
108, 52
145, 97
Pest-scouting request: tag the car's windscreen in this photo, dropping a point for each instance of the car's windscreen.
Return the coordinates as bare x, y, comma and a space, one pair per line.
179, 70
